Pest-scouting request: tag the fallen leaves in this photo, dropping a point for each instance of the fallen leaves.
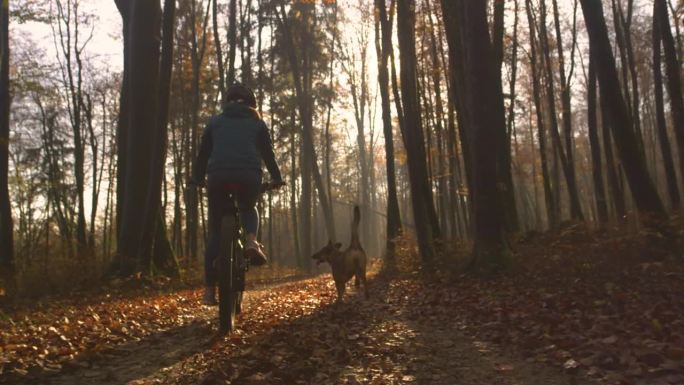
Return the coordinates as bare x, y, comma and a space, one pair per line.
574, 311
58, 334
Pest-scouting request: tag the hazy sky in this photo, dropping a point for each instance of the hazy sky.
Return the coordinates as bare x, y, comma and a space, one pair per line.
106, 43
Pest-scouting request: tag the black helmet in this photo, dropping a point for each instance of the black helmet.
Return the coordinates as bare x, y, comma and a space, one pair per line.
240, 93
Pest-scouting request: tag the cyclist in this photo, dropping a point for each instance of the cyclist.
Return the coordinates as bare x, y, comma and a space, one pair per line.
233, 145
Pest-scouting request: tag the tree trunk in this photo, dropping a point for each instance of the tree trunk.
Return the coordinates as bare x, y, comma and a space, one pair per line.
565, 157
219, 52
616, 190
302, 77
456, 79
232, 41
514, 225
498, 29
434, 74
122, 125
358, 83
383, 40
487, 121
455, 216
163, 259
541, 130
143, 87
674, 86
597, 171
670, 173
198, 48
155, 226
641, 185
293, 198
67, 43
413, 137
6, 226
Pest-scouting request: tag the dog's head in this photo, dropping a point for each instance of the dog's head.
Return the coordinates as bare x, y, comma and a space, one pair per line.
327, 252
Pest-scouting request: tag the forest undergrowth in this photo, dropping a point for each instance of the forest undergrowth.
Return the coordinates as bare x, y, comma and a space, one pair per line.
591, 307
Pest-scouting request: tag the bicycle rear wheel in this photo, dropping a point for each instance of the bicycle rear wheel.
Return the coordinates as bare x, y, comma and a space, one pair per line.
227, 294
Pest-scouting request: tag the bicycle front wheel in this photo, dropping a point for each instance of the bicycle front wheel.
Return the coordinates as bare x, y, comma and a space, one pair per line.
227, 293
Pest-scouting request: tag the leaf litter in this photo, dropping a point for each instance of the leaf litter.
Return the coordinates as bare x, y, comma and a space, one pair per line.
595, 313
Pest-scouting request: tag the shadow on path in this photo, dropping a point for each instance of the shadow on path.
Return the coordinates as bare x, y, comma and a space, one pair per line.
130, 360
386, 340
294, 334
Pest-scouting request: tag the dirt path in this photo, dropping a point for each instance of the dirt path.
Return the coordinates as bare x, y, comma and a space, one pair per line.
149, 357
293, 334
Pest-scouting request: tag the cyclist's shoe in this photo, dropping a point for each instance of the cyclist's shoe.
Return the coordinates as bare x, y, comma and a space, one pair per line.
255, 254
209, 297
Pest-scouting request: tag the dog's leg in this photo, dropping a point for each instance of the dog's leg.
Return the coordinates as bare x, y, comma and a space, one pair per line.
361, 276
357, 281
340, 290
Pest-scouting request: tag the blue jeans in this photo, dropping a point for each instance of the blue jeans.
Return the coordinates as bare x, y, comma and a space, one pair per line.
246, 185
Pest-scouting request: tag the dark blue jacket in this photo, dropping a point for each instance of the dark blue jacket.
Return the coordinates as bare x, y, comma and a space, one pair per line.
236, 139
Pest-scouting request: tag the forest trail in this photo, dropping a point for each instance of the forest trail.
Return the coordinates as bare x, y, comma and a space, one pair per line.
292, 333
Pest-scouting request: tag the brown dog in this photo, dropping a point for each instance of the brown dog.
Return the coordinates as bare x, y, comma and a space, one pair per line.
346, 264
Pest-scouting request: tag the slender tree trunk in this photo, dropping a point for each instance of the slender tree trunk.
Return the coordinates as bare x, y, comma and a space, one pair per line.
218, 49
383, 40
614, 184
631, 63
457, 228
246, 43
672, 69
303, 81
109, 217
122, 125
537, 206
511, 116
67, 35
232, 41
6, 225
541, 130
641, 185
293, 198
456, 79
670, 173
305, 204
358, 83
621, 51
435, 78
413, 136
597, 171
455, 75
678, 34
198, 47
328, 150
155, 226
506, 188
565, 156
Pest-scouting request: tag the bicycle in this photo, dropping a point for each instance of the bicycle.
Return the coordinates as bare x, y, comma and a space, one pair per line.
231, 264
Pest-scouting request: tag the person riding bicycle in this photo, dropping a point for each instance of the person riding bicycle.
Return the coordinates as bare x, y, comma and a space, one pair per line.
233, 145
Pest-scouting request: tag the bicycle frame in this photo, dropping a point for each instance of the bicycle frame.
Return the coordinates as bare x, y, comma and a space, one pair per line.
231, 264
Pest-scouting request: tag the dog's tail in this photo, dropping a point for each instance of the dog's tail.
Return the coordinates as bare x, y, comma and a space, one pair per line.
355, 241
